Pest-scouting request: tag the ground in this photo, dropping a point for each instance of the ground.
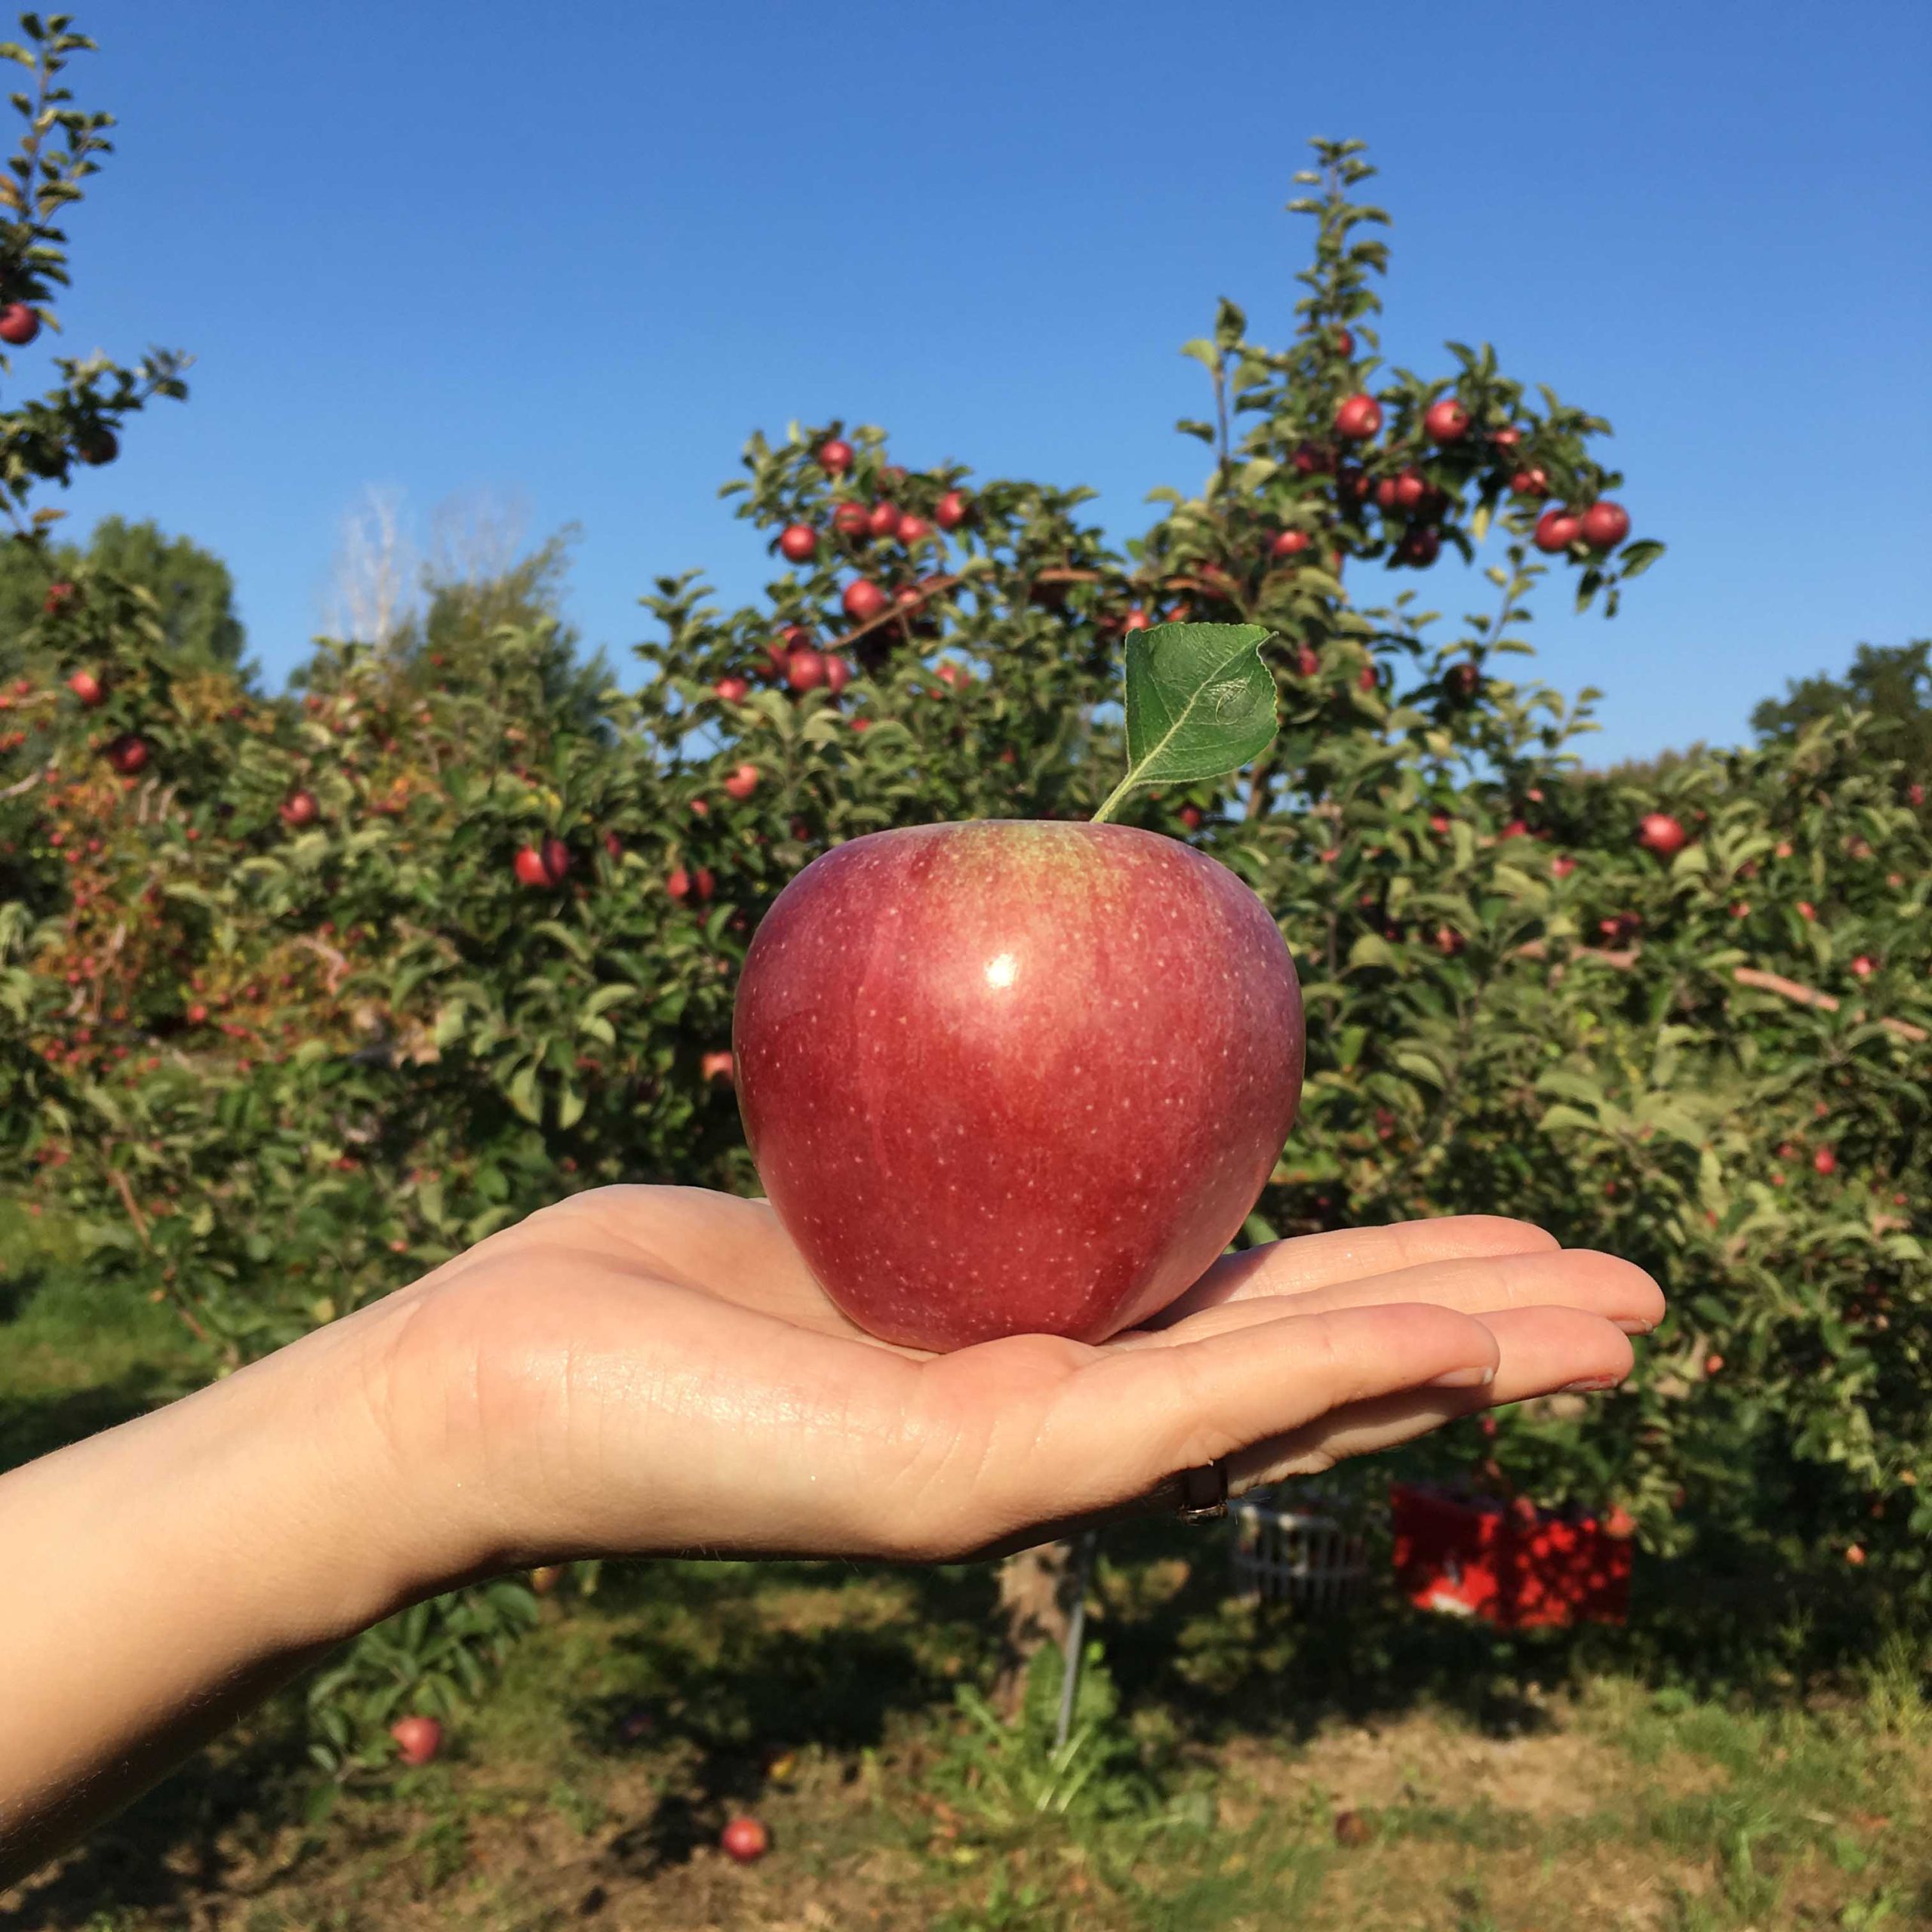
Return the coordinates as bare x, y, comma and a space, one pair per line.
1234, 1769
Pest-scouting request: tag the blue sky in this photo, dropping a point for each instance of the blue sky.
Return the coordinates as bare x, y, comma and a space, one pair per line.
574, 256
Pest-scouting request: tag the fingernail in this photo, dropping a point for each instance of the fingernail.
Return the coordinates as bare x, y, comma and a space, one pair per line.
1591, 1384
1632, 1326
1462, 1378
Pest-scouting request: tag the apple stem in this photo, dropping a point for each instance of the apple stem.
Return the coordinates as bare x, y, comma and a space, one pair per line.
1114, 800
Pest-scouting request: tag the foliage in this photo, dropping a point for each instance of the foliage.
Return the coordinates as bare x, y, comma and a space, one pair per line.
193, 594
1893, 683
305, 994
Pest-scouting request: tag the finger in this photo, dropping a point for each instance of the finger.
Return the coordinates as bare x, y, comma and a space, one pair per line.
1600, 1284
1542, 1351
1310, 1262
1123, 1422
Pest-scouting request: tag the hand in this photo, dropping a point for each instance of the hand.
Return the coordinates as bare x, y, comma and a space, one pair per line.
646, 1369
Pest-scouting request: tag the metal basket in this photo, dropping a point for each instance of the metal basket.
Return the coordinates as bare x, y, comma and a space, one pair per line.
1301, 1556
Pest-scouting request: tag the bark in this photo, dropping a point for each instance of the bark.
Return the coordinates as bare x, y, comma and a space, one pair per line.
1036, 1604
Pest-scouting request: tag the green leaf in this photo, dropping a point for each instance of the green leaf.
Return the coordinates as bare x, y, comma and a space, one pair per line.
1200, 702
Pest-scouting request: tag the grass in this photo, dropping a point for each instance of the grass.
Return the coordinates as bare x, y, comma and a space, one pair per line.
1579, 1779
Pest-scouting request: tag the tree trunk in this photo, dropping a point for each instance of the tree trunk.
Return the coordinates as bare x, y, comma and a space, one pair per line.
1036, 1604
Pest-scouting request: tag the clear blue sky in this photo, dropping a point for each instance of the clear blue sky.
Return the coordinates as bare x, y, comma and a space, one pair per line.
578, 253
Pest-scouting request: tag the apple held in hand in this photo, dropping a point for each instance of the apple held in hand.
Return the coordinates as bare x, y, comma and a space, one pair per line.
1020, 1076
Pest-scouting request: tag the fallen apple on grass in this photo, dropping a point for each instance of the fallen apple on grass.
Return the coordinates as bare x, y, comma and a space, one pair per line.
1015, 1077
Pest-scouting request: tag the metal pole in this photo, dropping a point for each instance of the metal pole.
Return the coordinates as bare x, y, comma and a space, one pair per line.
1084, 1548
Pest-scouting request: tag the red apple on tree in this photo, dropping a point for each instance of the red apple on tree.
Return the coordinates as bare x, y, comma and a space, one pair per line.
805, 669
1446, 421
1659, 832
953, 510
1358, 418
797, 543
743, 783
1556, 531
19, 325
1289, 543
1531, 483
530, 869
58, 597
87, 688
853, 521
863, 600
1345, 343
1604, 525
913, 530
299, 809
128, 754
837, 675
417, 1739
1028, 1076
834, 456
732, 689
884, 520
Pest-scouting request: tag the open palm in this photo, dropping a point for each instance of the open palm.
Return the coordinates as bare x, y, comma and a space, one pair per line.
642, 1369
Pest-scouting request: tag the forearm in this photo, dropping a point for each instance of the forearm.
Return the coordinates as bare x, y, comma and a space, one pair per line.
163, 1577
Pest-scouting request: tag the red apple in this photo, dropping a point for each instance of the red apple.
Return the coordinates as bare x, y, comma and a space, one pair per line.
1556, 531
1365, 678
1345, 343
1015, 1077
805, 670
1421, 545
852, 520
1190, 816
197, 1015
834, 457
1864, 966
128, 754
1358, 418
1447, 421
1507, 438
1605, 525
1135, 619
746, 1840
59, 596
733, 690
954, 508
417, 1739
1411, 488
1563, 865
97, 446
19, 325
1825, 1162
1352, 485
715, 1066
300, 809
1306, 663
556, 860
1659, 832
743, 783
1289, 543
913, 530
613, 845
885, 519
1463, 681
1531, 483
87, 687
797, 543
837, 675
1310, 459
530, 869
863, 600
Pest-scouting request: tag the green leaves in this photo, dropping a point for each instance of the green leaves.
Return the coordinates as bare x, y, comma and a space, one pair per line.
1200, 702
